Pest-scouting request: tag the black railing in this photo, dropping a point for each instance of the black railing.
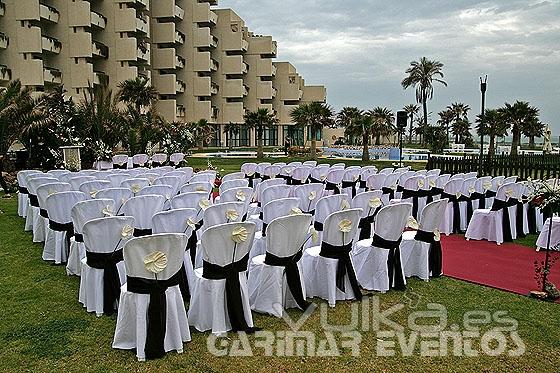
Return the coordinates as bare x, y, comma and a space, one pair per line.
536, 166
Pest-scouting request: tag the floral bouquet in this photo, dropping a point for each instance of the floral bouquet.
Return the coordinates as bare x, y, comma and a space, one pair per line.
101, 151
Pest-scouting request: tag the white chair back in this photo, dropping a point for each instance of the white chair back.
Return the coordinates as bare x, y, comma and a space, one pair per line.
432, 215
286, 235
166, 191
329, 204
369, 202
59, 205
233, 176
118, 195
308, 195
176, 158
135, 184
140, 159
79, 180
142, 208
46, 190
244, 195
332, 233
84, 211
222, 213
391, 220
219, 247
233, 183
190, 200
203, 177
202, 186
117, 179
275, 192
91, 188
173, 221
280, 207
376, 181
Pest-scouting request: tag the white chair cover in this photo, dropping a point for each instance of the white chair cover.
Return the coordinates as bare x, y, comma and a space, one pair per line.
140, 160
208, 306
244, 195
142, 208
42, 193
209, 177
371, 262
233, 176
23, 192
90, 188
79, 180
117, 179
159, 159
308, 196
135, 184
267, 284
176, 158
32, 214
132, 328
174, 181
320, 272
120, 160
453, 188
542, 240
202, 186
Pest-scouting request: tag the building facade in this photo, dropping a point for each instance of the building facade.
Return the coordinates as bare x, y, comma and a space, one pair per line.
204, 62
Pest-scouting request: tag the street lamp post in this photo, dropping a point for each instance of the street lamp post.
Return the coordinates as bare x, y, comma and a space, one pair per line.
483, 92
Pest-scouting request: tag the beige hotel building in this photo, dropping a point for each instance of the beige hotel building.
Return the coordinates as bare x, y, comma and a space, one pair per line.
204, 62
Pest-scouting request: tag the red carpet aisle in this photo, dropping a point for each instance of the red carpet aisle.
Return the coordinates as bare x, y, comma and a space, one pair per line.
508, 267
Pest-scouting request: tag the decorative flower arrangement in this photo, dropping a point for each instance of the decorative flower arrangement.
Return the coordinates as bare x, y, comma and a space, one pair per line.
546, 197
375, 202
239, 234
345, 226
412, 223
101, 151
296, 211
127, 231
232, 215
240, 195
204, 204
155, 262
344, 205
135, 188
312, 195
107, 211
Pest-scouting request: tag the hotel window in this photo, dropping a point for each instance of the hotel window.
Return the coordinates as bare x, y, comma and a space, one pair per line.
270, 136
296, 135
216, 140
238, 138
318, 134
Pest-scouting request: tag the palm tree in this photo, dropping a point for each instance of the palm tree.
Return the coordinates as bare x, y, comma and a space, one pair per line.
411, 110
421, 75
517, 116
445, 118
137, 92
202, 131
258, 120
346, 119
532, 129
361, 125
462, 131
383, 122
314, 115
459, 113
494, 126
18, 113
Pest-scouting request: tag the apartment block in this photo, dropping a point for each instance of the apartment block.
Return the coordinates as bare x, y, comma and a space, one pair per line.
205, 62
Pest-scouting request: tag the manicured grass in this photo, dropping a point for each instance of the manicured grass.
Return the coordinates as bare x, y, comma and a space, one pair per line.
43, 328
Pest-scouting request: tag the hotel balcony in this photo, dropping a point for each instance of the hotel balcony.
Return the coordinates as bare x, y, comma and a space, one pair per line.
214, 89
168, 84
51, 45
265, 91
100, 78
265, 67
99, 49
146, 74
202, 110
2, 8
4, 41
33, 10
5, 73
128, 21
52, 75
204, 39
142, 26
126, 49
214, 65
143, 54
138, 4
167, 33
202, 86
234, 65
48, 13
266, 106
211, 2
167, 108
203, 15
167, 9
233, 88
263, 45
215, 112
202, 62
181, 112
285, 113
314, 93
234, 41
167, 59
234, 112
98, 20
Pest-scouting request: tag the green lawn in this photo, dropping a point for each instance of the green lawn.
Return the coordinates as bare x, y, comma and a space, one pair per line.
43, 328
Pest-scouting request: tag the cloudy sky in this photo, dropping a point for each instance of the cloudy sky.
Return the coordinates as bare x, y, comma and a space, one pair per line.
359, 49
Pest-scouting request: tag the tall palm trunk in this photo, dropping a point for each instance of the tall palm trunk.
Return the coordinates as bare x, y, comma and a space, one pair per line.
491, 146
531, 142
313, 151
410, 129
3, 183
425, 108
365, 145
260, 153
516, 137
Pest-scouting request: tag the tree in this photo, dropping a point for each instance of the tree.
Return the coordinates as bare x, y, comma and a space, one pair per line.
258, 120
138, 93
494, 126
532, 129
445, 118
202, 132
422, 75
411, 110
231, 130
346, 118
435, 138
517, 116
18, 113
383, 123
360, 125
314, 115
458, 112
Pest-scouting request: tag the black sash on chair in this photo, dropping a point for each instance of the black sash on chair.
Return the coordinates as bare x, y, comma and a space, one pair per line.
415, 195
362, 183
531, 216
68, 228
313, 180
396, 278
365, 224
251, 178
292, 274
434, 253
519, 214
136, 165
463, 198
389, 191
78, 237
295, 181
157, 311
456, 212
435, 191
265, 177
142, 232
193, 239
120, 166
111, 281
234, 302
43, 213
481, 198
506, 229
263, 232
33, 200
400, 188
256, 175
23, 190
318, 226
344, 266
157, 164
332, 186
350, 184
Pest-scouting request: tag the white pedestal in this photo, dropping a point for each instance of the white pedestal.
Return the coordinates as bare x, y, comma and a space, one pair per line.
72, 159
